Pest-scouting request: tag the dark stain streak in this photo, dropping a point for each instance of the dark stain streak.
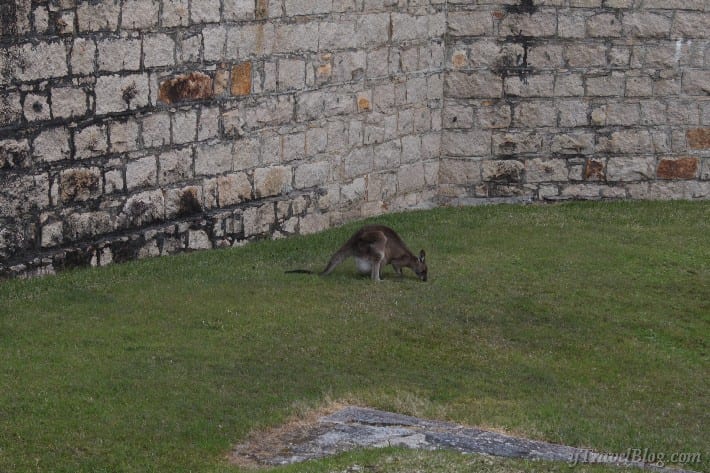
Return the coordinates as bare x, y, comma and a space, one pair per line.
507, 65
526, 6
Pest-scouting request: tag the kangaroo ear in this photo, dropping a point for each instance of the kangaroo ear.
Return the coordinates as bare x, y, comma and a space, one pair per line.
422, 255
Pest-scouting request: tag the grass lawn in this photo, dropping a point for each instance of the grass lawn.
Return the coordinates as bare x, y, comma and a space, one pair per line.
585, 324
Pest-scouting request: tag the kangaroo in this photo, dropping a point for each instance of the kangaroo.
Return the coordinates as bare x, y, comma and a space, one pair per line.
374, 246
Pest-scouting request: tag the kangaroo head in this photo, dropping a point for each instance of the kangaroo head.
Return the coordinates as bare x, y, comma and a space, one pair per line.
419, 267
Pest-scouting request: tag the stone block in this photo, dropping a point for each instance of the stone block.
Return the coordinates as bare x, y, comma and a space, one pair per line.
15, 154
539, 85
123, 136
307, 7
604, 25
410, 178
98, 15
213, 158
233, 189
184, 126
80, 184
36, 108
68, 102
465, 172
502, 171
646, 25
175, 166
241, 79
205, 11
38, 61
88, 224
696, 82
470, 23
158, 50
678, 168
311, 174
237, 10
51, 145
258, 220
52, 234
183, 201
626, 142
466, 143
175, 13
185, 88
272, 181
522, 24
82, 59
406, 27
120, 93
631, 168
480, 84
141, 172
698, 138
143, 208
119, 54
139, 14
19, 194
514, 143
546, 170
156, 130
292, 74
198, 240
90, 142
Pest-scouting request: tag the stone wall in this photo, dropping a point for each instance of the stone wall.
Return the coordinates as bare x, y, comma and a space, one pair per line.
576, 99
134, 128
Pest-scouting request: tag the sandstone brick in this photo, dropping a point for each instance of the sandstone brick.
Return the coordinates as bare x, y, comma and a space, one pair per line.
213, 158
90, 141
68, 102
80, 184
460, 171
186, 87
20, 194
184, 126
139, 14
505, 171
272, 181
36, 108
52, 145
120, 54
258, 220
156, 130
241, 79
698, 138
120, 93
233, 189
205, 11
158, 50
630, 168
141, 172
546, 170
235, 10
14, 153
175, 166
678, 168
123, 136
100, 15
470, 143
175, 13
82, 57
143, 208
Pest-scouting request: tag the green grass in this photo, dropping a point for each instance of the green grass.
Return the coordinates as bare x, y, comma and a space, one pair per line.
584, 324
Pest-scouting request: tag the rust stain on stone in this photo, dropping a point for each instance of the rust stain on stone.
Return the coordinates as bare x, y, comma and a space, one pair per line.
594, 171
363, 104
681, 168
699, 138
262, 9
241, 79
186, 87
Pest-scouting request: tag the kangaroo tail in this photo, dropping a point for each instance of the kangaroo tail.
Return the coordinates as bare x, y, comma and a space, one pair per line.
340, 256
298, 271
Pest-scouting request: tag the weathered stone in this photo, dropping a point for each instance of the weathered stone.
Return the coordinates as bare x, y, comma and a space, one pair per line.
68, 102
139, 14
36, 108
100, 15
51, 145
678, 168
505, 171
141, 173
272, 181
233, 189
630, 168
186, 87
175, 166
241, 79
20, 194
119, 93
90, 141
119, 54
14, 153
699, 138
80, 184
595, 170
258, 220
143, 208
213, 158
546, 170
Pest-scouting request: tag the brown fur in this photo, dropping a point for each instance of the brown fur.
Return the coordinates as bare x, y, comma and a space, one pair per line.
374, 246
